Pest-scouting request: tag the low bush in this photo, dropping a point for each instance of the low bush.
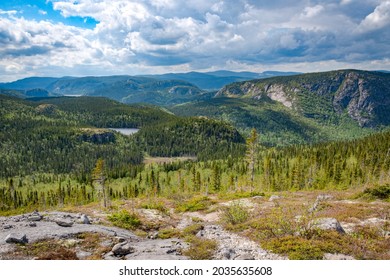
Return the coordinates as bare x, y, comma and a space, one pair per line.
124, 219
378, 192
235, 214
200, 248
194, 204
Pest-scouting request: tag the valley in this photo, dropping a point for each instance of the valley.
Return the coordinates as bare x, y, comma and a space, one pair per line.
297, 166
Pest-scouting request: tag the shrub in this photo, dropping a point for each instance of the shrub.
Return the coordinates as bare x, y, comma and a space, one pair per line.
168, 233
194, 204
200, 248
192, 229
155, 205
378, 192
124, 219
235, 214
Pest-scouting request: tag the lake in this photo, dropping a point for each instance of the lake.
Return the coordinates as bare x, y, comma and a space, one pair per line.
125, 131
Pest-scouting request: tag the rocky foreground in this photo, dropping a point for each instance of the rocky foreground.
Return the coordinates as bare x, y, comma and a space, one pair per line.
124, 244
63, 235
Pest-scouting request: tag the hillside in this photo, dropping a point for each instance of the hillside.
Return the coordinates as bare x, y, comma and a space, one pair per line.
304, 108
363, 96
217, 79
54, 135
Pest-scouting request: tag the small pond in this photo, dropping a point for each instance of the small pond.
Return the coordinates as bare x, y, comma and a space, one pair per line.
125, 131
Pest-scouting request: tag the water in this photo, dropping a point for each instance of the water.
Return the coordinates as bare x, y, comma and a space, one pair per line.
125, 131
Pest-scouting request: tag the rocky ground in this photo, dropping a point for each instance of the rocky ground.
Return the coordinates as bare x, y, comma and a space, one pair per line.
81, 236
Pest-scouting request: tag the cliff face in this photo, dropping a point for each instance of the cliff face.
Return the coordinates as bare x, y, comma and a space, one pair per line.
364, 96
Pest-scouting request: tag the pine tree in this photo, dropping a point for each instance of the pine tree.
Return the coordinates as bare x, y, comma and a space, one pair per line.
99, 179
251, 152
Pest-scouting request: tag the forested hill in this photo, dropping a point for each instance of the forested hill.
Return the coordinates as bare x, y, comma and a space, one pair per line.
68, 135
126, 89
363, 95
306, 108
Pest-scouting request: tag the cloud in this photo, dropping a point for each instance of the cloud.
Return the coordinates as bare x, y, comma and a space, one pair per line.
173, 35
378, 19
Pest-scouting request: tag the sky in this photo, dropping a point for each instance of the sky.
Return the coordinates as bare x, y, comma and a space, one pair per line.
108, 37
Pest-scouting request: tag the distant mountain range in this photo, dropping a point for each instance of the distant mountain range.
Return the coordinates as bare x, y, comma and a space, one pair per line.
164, 89
218, 79
284, 108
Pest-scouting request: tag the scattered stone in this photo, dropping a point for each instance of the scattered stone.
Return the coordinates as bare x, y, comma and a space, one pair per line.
323, 197
228, 253
319, 199
153, 235
64, 223
110, 257
328, 256
83, 254
7, 226
35, 217
122, 249
16, 238
245, 257
274, 197
32, 224
326, 224
84, 219
120, 239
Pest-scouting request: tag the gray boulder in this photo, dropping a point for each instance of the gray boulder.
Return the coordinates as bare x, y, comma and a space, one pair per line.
326, 224
17, 238
84, 219
122, 249
64, 223
34, 217
274, 197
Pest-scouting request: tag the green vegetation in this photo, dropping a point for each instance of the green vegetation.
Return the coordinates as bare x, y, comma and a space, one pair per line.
194, 204
378, 192
124, 219
235, 214
200, 249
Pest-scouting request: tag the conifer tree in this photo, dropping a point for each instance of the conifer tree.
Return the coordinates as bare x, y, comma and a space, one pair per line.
251, 152
99, 179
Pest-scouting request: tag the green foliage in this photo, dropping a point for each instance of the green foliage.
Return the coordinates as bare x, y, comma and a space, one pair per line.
295, 248
155, 204
200, 248
235, 214
192, 229
124, 219
194, 204
203, 138
168, 233
378, 192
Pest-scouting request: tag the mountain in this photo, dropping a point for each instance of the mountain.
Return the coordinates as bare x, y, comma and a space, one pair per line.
217, 79
126, 89
302, 108
364, 96
31, 83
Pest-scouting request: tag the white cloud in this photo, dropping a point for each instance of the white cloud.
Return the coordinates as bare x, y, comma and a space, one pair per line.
310, 12
378, 19
152, 35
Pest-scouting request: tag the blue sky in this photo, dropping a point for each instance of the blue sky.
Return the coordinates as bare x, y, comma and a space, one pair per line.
96, 37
